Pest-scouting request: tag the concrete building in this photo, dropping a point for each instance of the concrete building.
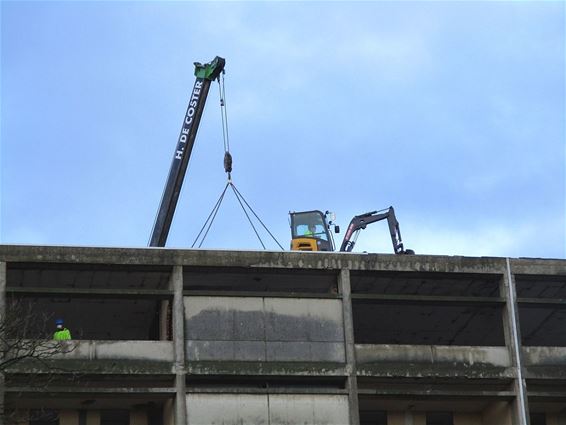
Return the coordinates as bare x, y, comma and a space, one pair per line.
163, 337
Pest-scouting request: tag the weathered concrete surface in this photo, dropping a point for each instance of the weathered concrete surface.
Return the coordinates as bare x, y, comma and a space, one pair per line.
273, 409
433, 354
160, 351
277, 259
538, 266
264, 329
266, 368
544, 356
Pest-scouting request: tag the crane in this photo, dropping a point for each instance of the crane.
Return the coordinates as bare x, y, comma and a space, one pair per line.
205, 74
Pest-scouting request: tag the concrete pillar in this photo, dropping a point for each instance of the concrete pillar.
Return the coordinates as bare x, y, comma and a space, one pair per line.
2, 321
93, 417
345, 290
69, 417
512, 332
179, 344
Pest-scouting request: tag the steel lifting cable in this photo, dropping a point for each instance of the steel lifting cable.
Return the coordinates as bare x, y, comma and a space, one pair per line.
222, 90
228, 170
256, 216
247, 215
211, 215
225, 136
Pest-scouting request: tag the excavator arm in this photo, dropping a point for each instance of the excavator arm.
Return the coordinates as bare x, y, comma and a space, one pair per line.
360, 222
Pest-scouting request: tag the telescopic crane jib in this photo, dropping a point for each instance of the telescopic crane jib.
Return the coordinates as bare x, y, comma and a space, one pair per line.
205, 75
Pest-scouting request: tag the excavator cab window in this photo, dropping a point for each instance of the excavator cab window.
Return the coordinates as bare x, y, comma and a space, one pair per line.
309, 224
312, 225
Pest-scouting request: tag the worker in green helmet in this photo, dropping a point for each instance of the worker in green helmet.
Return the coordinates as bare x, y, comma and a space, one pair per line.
61, 332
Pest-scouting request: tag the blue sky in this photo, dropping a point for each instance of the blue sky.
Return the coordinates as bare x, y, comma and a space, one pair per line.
453, 112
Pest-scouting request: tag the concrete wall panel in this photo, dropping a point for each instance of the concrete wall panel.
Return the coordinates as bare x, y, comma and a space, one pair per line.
134, 350
161, 351
492, 356
308, 351
225, 350
308, 409
227, 409
224, 318
272, 329
290, 319
550, 356
274, 409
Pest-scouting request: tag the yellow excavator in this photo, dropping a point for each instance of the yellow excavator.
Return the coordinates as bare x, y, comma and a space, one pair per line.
310, 230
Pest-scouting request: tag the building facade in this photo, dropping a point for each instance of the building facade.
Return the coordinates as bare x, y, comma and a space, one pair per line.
164, 337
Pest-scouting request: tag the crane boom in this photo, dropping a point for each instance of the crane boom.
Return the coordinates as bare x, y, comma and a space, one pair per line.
205, 74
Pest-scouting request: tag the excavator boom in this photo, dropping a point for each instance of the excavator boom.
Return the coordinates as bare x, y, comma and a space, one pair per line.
361, 221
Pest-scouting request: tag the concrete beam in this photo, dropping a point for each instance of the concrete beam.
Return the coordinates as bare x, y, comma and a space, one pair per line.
538, 266
89, 390
542, 302
428, 393
148, 351
35, 292
255, 259
266, 368
249, 390
107, 367
428, 300
422, 370
454, 356
254, 294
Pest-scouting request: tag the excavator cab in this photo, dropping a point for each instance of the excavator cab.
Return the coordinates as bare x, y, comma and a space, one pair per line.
310, 231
